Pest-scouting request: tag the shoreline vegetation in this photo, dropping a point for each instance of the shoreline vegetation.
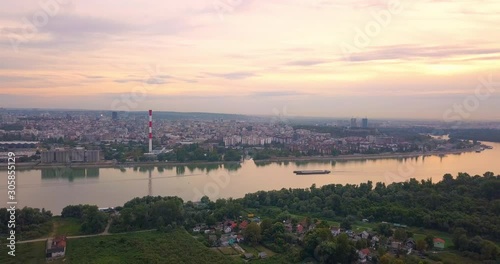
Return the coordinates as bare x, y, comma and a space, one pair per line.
112, 164
450, 221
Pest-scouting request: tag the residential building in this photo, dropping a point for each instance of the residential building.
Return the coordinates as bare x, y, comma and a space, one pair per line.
56, 247
439, 243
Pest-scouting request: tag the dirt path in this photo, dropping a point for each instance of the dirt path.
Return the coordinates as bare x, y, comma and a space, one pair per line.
55, 225
84, 236
106, 230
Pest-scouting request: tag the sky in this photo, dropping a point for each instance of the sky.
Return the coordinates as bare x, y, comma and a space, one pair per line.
431, 59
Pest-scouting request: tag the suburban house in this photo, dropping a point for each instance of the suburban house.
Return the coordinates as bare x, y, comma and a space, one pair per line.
365, 235
262, 255
227, 240
300, 229
243, 225
229, 226
364, 254
56, 247
396, 245
410, 243
439, 243
335, 231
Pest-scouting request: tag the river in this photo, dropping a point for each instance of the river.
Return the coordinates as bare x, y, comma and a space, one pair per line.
55, 188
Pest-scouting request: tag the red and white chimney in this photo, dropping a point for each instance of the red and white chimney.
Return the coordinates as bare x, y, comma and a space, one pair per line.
150, 131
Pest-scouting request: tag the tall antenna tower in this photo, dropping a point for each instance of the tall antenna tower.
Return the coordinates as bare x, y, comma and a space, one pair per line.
150, 131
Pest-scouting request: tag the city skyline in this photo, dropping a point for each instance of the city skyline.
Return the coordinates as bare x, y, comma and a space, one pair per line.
302, 58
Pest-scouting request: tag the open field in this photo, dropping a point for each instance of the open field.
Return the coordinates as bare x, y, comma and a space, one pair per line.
227, 251
31, 253
147, 247
422, 233
66, 226
454, 258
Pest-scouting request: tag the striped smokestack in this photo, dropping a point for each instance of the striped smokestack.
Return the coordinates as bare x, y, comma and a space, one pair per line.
150, 131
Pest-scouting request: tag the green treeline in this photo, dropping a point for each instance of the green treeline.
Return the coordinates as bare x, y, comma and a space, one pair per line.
28, 222
93, 221
194, 152
468, 202
150, 213
484, 134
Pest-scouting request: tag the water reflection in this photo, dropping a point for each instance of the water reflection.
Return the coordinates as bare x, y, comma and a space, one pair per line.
180, 170
69, 173
232, 167
117, 185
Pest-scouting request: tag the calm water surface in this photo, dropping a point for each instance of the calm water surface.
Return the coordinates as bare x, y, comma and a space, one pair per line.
53, 189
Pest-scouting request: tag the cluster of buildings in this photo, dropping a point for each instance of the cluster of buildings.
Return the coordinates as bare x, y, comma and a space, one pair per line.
96, 129
231, 235
364, 122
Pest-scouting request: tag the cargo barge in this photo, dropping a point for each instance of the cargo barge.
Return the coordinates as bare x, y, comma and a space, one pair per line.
306, 172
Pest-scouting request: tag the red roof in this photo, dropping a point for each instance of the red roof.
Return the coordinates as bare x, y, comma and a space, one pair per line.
300, 228
243, 224
439, 240
59, 242
366, 251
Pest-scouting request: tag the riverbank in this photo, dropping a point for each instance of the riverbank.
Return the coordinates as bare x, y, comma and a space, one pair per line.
109, 164
370, 156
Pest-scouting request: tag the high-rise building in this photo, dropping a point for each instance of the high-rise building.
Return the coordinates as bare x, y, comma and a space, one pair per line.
364, 122
114, 115
353, 122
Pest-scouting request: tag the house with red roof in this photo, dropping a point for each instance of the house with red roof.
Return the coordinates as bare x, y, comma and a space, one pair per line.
364, 254
243, 225
439, 243
300, 229
56, 247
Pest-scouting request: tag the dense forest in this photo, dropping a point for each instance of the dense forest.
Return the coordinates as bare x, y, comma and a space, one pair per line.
468, 202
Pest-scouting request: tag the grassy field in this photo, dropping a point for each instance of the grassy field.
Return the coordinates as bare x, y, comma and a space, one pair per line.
31, 253
419, 233
227, 251
148, 247
455, 258
66, 226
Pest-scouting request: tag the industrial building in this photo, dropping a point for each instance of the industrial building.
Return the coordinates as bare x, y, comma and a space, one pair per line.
70, 155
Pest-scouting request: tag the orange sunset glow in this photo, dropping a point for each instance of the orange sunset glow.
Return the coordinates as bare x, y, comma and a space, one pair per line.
316, 58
